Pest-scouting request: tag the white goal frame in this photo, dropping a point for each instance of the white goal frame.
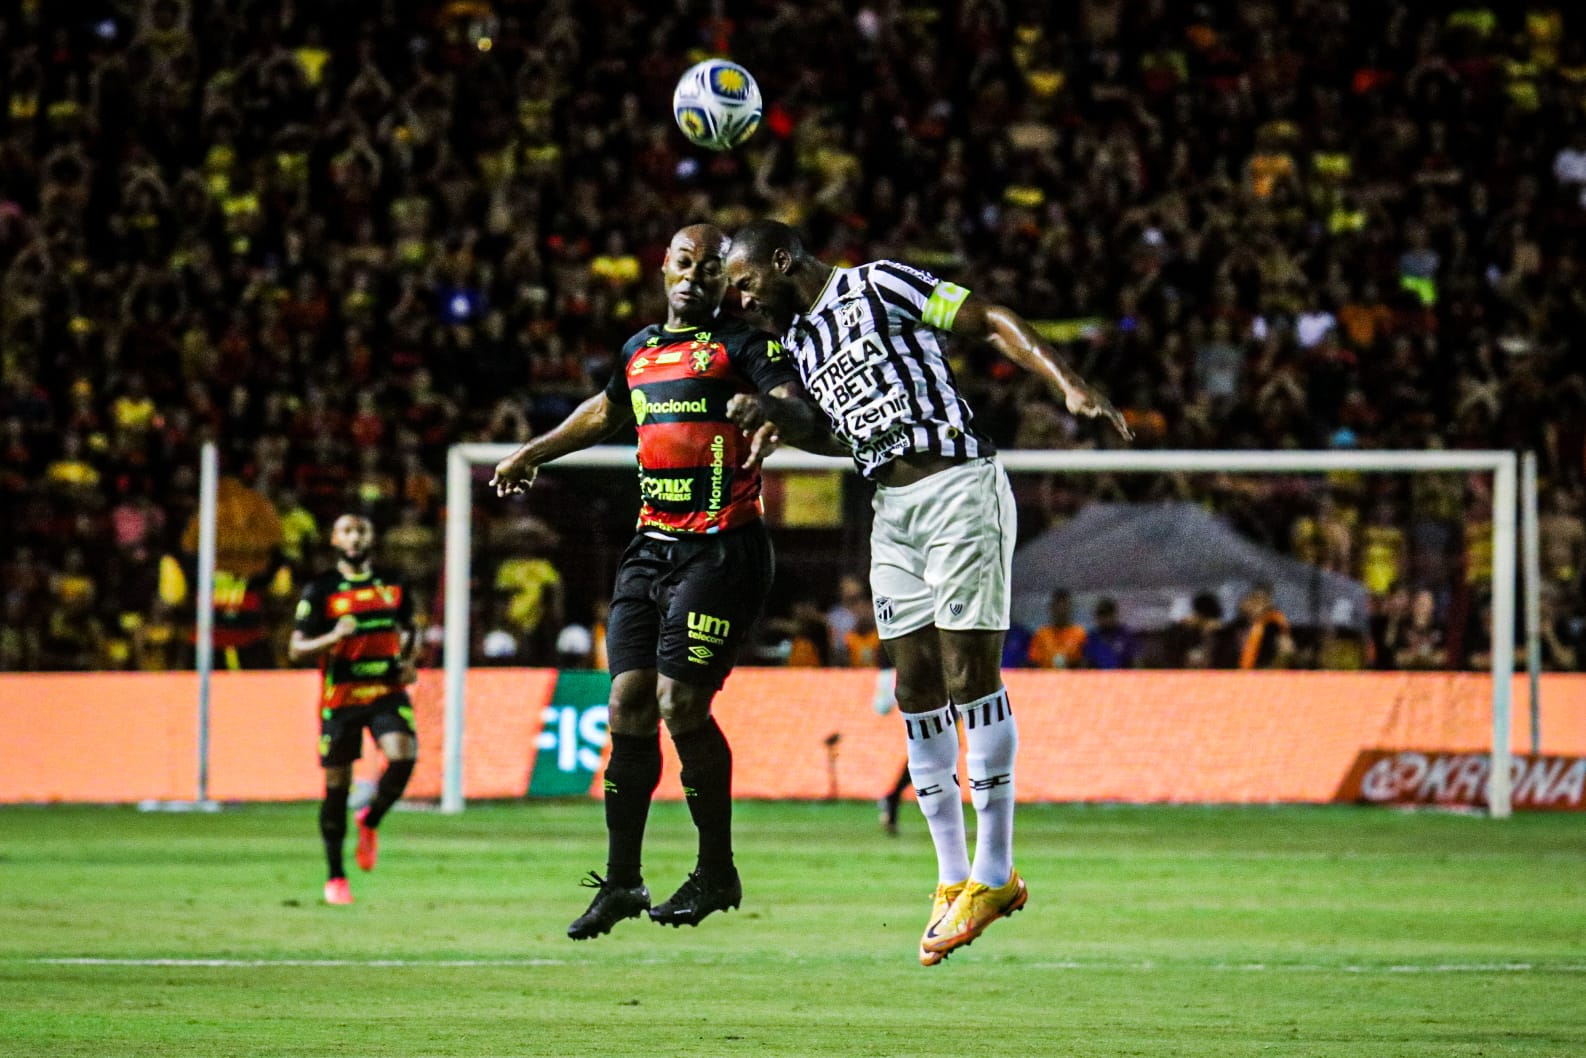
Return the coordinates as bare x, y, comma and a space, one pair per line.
1506, 544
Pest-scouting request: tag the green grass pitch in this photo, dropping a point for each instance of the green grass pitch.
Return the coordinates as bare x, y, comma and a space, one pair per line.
1150, 931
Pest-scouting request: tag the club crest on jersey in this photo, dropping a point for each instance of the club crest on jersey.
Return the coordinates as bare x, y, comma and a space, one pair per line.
700, 359
849, 315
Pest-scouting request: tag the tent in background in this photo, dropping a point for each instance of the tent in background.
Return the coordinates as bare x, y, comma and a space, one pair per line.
1153, 558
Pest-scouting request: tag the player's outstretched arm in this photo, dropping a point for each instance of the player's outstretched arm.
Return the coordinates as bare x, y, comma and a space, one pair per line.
1015, 339
590, 423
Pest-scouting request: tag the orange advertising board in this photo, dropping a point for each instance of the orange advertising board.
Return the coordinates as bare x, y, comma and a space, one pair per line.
796, 733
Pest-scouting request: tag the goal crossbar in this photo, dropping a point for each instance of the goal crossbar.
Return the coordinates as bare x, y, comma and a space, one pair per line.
1503, 465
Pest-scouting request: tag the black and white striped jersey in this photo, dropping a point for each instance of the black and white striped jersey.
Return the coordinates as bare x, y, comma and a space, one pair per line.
868, 353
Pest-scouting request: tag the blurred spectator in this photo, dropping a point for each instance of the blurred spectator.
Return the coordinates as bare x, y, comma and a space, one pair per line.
1387, 623
1016, 646
300, 530
804, 634
862, 644
1382, 550
532, 585
338, 252
413, 547
853, 598
1424, 645
1563, 539
1263, 632
1200, 640
156, 639
21, 647
1109, 643
1059, 644
1563, 631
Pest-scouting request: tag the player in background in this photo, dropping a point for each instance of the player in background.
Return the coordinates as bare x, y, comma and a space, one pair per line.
358, 623
693, 581
865, 341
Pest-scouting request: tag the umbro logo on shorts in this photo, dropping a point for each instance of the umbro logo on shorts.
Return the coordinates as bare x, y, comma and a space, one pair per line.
883, 610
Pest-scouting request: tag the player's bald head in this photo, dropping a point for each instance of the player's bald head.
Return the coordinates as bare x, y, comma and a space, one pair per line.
700, 238
693, 275
770, 267
757, 242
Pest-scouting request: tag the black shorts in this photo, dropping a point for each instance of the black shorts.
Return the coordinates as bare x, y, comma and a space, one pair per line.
341, 730
686, 607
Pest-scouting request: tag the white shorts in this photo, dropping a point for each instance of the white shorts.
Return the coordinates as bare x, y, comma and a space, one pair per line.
942, 551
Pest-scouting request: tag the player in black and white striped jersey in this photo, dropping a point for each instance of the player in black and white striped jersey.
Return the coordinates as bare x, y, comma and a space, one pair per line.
867, 345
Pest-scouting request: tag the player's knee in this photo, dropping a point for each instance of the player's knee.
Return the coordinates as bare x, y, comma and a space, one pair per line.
971, 674
684, 707
920, 692
399, 748
628, 717
338, 776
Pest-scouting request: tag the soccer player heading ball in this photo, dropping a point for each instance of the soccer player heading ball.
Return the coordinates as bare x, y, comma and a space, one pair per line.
692, 582
865, 341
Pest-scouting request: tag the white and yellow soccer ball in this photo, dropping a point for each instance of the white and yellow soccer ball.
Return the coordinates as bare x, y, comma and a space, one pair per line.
717, 104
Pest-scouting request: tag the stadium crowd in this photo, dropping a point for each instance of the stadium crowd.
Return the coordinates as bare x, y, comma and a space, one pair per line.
337, 238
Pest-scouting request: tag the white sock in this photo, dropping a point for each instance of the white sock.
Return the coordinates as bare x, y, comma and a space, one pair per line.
993, 741
933, 766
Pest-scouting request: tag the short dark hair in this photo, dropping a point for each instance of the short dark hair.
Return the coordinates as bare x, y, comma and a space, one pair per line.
759, 239
1207, 605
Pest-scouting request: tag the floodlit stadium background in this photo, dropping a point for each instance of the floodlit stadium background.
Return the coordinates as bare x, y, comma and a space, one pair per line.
337, 241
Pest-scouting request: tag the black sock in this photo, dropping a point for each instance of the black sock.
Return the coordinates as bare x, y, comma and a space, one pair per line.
389, 790
333, 827
707, 783
631, 777
905, 780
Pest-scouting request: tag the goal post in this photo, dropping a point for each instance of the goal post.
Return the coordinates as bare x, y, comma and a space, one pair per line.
1502, 465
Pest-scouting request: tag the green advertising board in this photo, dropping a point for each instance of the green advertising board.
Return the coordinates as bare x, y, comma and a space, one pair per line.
572, 736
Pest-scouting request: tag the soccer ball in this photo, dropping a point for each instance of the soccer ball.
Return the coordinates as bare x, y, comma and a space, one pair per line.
717, 104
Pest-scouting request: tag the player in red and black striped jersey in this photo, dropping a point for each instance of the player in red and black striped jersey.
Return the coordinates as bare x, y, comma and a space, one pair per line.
359, 623
693, 581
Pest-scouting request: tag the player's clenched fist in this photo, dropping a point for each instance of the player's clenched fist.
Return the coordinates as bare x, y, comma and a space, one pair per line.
748, 411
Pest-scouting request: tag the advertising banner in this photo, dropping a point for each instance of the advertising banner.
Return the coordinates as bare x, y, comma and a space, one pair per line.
1459, 780
572, 736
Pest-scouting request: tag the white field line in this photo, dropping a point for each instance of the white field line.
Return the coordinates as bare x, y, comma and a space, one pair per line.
1074, 965
464, 964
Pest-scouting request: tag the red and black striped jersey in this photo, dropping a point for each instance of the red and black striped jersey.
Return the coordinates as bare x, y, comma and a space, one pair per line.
241, 617
678, 382
367, 664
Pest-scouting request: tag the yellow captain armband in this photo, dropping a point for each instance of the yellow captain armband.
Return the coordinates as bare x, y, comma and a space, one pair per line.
943, 306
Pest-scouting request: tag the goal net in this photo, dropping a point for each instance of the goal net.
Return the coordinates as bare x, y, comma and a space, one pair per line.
1397, 561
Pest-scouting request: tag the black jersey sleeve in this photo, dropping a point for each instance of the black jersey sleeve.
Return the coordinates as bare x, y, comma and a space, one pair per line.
761, 359
617, 386
310, 618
